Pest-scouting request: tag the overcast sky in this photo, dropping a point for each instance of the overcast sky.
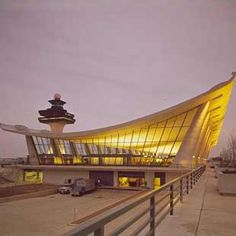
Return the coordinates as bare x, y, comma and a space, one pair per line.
112, 61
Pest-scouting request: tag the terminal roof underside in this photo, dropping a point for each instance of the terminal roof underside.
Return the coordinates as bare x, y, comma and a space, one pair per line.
159, 134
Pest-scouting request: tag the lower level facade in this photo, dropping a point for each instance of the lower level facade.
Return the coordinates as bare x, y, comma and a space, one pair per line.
107, 177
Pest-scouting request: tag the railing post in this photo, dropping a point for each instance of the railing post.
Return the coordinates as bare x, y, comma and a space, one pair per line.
152, 216
181, 190
191, 180
99, 231
198, 175
187, 185
194, 177
171, 199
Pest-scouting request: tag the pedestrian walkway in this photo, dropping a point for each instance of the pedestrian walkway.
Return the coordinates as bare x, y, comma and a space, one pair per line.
204, 212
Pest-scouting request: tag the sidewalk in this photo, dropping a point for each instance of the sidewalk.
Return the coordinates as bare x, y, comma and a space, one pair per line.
204, 212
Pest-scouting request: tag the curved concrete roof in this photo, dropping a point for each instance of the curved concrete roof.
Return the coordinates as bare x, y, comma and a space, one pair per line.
218, 96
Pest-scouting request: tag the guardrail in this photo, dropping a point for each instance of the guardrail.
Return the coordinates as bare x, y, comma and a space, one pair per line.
153, 207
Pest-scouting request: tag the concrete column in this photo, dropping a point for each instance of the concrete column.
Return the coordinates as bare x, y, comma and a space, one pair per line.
205, 143
187, 150
57, 127
115, 179
33, 158
202, 137
149, 179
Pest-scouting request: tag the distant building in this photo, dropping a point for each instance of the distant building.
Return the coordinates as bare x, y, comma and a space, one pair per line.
152, 149
12, 161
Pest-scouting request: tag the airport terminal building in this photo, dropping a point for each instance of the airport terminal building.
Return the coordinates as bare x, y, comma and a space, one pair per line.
147, 151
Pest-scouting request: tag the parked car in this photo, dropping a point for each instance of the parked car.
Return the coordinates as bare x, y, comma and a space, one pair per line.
80, 186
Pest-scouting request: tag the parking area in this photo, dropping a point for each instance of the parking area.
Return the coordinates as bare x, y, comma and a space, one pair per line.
52, 215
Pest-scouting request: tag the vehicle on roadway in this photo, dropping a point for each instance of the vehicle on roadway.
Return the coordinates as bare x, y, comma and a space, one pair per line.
65, 189
80, 186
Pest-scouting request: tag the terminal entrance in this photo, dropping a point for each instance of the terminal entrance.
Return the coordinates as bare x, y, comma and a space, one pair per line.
104, 178
159, 179
131, 179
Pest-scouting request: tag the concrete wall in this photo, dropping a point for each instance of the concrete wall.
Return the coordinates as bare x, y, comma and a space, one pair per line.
12, 174
58, 176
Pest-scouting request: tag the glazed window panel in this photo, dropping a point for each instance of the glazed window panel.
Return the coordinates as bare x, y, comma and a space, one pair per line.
64, 146
160, 148
167, 149
174, 133
93, 148
95, 141
94, 161
102, 148
101, 140
77, 160
170, 122
125, 151
88, 140
135, 137
147, 150
153, 149
121, 140
114, 140
158, 134
166, 134
36, 144
151, 133
128, 138
134, 145
81, 149
108, 140
162, 124
43, 145
180, 119
182, 133
189, 117
126, 145
142, 135
39, 140
175, 148
113, 150
106, 150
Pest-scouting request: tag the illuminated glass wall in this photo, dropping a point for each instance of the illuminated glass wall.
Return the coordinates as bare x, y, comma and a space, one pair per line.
153, 144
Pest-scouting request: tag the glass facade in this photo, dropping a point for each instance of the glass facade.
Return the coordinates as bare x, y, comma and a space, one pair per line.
155, 144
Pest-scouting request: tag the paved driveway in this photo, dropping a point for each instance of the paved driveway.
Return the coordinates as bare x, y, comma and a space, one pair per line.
53, 214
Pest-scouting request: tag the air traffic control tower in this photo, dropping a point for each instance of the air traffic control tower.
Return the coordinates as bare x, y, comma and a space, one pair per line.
56, 116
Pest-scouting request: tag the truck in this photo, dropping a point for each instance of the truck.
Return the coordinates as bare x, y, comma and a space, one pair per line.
80, 186
66, 187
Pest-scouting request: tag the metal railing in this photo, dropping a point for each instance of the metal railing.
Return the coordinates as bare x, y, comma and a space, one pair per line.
153, 206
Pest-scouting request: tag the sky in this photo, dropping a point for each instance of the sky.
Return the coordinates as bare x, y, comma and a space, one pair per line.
112, 61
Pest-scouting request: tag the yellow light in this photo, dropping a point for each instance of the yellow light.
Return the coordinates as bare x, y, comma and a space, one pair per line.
58, 160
